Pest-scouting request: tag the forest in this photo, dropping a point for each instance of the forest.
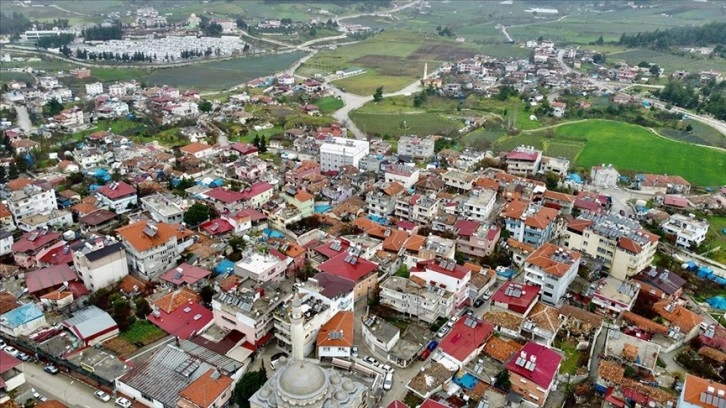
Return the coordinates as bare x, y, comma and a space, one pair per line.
701, 36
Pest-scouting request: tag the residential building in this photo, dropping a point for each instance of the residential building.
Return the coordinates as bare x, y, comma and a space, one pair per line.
199, 150
612, 296
688, 230
23, 320
261, 267
516, 298
620, 243
249, 310
335, 338
541, 324
660, 282
662, 183
479, 205
6, 219
555, 165
382, 203
152, 248
552, 269
459, 180
532, 372
94, 89
163, 208
100, 262
91, 326
559, 201
351, 264
444, 273
604, 176
416, 147
11, 373
211, 390
530, 223
117, 196
631, 350
6, 242
682, 323
464, 342
523, 161
179, 312
32, 246
337, 152
303, 201
699, 392
416, 297
31, 200
407, 176
476, 239
185, 275
417, 208
57, 219
257, 194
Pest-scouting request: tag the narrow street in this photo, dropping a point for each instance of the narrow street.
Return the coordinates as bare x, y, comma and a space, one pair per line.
74, 393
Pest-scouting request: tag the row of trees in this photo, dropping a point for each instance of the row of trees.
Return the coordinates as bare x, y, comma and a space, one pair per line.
713, 33
138, 56
99, 33
14, 24
55, 41
710, 99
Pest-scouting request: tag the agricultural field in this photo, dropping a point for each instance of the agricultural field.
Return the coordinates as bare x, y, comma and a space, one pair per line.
669, 62
701, 134
394, 125
718, 237
628, 147
328, 104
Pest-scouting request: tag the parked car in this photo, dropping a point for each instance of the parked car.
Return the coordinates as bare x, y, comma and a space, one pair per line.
371, 360
478, 302
487, 295
102, 396
11, 350
2, 344
387, 367
468, 312
39, 397
51, 369
388, 381
442, 332
354, 351
424, 354
23, 357
432, 345
275, 359
123, 402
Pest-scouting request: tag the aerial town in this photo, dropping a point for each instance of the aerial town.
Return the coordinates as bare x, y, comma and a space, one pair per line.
212, 204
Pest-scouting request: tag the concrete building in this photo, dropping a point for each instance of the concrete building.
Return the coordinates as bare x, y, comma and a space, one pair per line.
479, 205
100, 262
117, 196
153, 248
6, 242
261, 267
552, 269
620, 243
163, 208
604, 176
382, 203
530, 223
688, 230
23, 320
533, 371
475, 239
407, 176
444, 273
58, 219
697, 392
417, 298
337, 152
612, 296
11, 373
31, 200
336, 337
523, 161
416, 147
94, 89
460, 180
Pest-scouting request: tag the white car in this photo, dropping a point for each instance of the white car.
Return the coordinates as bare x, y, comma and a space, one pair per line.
487, 295
442, 332
11, 350
102, 396
386, 367
123, 402
388, 381
39, 397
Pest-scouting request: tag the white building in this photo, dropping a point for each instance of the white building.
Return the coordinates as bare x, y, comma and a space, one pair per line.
446, 274
54, 219
405, 175
524, 161
94, 89
687, 229
152, 249
417, 148
117, 196
6, 242
613, 296
479, 205
31, 200
604, 176
415, 297
163, 208
262, 267
100, 262
553, 269
337, 152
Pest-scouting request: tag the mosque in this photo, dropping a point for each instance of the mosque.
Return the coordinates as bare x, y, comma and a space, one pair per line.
301, 382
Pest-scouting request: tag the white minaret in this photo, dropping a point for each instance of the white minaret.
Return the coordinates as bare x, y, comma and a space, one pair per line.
426, 70
297, 333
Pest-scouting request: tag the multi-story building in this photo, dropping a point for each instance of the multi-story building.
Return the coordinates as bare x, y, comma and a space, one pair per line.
660, 282
530, 223
337, 152
479, 205
249, 310
446, 274
163, 208
612, 296
523, 161
6, 242
31, 200
417, 208
415, 297
336, 337
620, 243
532, 372
153, 248
604, 176
382, 203
33, 246
460, 180
261, 267
54, 219
302, 200
698, 391
405, 175
688, 230
6, 219
555, 165
417, 148
475, 238
117, 196
553, 269
94, 89
100, 262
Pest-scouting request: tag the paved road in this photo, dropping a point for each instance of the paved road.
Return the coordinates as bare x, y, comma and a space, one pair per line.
61, 387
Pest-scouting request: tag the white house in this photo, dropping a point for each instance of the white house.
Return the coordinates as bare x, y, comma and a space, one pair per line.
335, 339
100, 262
94, 89
6, 242
604, 176
687, 229
261, 267
552, 269
153, 248
405, 175
22, 320
31, 200
337, 152
117, 196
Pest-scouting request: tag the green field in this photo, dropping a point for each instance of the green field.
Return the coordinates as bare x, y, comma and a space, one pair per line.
328, 104
715, 233
669, 62
628, 147
393, 124
142, 331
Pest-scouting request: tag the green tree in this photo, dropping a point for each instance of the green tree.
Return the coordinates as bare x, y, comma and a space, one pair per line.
403, 272
600, 41
263, 145
655, 70
197, 213
53, 107
502, 380
143, 308
207, 293
378, 95
213, 30
248, 386
256, 141
121, 313
205, 106
3, 174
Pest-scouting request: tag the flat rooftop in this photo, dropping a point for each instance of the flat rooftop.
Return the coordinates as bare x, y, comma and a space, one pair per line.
102, 363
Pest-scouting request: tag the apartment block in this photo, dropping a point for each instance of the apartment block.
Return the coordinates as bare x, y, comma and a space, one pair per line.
552, 269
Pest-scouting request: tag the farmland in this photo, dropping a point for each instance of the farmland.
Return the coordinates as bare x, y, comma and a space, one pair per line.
328, 104
393, 124
669, 62
628, 147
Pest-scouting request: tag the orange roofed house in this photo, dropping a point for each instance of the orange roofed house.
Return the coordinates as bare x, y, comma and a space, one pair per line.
530, 223
552, 269
698, 392
335, 338
153, 248
211, 390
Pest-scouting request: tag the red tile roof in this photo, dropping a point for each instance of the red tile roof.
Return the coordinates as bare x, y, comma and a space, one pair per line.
519, 155
463, 340
56, 256
459, 272
546, 364
116, 190
134, 234
466, 228
339, 267
7, 362
24, 244
328, 251
695, 386
192, 148
206, 389
544, 258
528, 293
255, 190
216, 226
50, 277
342, 322
187, 320
185, 273
225, 195
429, 403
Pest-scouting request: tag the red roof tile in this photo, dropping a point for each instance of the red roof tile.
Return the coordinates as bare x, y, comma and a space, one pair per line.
463, 340
185, 321
48, 277
527, 294
185, 273
339, 267
116, 190
546, 364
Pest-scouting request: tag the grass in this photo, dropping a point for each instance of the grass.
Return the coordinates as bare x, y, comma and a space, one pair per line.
628, 147
701, 134
669, 62
399, 125
366, 84
142, 331
718, 238
328, 104
569, 362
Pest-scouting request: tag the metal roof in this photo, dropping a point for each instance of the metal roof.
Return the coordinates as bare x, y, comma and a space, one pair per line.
88, 322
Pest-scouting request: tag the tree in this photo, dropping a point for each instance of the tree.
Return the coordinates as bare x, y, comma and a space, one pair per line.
213, 30
600, 41
502, 380
263, 145
53, 107
205, 106
3, 174
256, 141
13, 172
248, 386
207, 293
378, 95
143, 308
655, 70
197, 213
403, 272
121, 313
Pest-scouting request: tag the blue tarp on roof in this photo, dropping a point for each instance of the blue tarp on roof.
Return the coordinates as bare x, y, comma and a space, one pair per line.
704, 272
717, 302
378, 220
690, 265
272, 233
575, 178
223, 267
21, 315
322, 208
